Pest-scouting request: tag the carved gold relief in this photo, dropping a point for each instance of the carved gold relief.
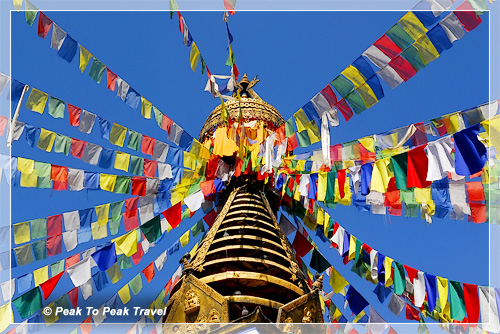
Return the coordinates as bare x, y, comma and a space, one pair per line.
309, 313
191, 302
214, 316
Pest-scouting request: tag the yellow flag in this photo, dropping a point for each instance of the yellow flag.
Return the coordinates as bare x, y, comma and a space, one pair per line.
322, 184
367, 95
337, 281
193, 251
22, 233
84, 58
25, 165
301, 120
326, 223
412, 25
199, 150
388, 270
426, 49
194, 56
117, 135
50, 317
122, 161
442, 284
124, 294
423, 195
184, 239
6, 316
189, 161
18, 4
320, 218
36, 101
352, 248
381, 175
309, 222
354, 75
313, 132
28, 180
99, 231
368, 143
102, 213
41, 275
108, 182
358, 317
126, 244
347, 192
46, 140
492, 127
146, 108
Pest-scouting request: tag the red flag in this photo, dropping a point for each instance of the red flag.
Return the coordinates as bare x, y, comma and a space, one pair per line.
73, 297
173, 215
207, 187
475, 191
166, 123
59, 173
403, 68
77, 147
74, 115
86, 326
54, 245
301, 245
136, 257
210, 217
471, 302
148, 144
467, 16
478, 213
168, 286
181, 26
130, 220
341, 175
72, 260
149, 271
138, 186
229, 5
149, 168
329, 95
44, 24
49, 285
111, 79
412, 313
417, 168
54, 225
235, 71
387, 46
412, 273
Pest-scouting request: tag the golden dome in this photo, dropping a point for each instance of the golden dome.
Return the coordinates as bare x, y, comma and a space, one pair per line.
252, 108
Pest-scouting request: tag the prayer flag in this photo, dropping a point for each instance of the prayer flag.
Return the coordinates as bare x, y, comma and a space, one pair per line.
44, 24
146, 108
184, 239
124, 294
149, 272
96, 71
122, 161
28, 303
194, 56
111, 79
49, 285
36, 101
126, 244
56, 107
74, 115
85, 57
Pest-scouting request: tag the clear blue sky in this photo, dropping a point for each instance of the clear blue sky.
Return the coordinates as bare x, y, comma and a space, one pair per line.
295, 54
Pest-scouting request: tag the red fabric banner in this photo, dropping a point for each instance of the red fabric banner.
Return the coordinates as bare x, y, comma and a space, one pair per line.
77, 147
301, 245
417, 168
138, 186
471, 302
467, 16
49, 285
54, 225
329, 95
344, 109
54, 245
74, 115
149, 271
387, 46
403, 68
173, 215
44, 24
149, 168
148, 144
111, 79
73, 297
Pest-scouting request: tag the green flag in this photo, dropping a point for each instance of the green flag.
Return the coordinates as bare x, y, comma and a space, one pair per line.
56, 107
114, 226
136, 165
197, 228
457, 304
97, 70
28, 303
40, 249
57, 267
356, 102
152, 229
399, 278
399, 36
136, 284
23, 255
303, 139
122, 185
330, 185
116, 210
400, 166
134, 140
158, 116
342, 85
318, 262
124, 262
38, 228
62, 144
30, 12
289, 129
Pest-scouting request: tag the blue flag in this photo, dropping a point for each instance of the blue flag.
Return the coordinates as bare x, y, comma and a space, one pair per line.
105, 257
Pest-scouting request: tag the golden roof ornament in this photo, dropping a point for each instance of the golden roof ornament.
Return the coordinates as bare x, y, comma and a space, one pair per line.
245, 87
